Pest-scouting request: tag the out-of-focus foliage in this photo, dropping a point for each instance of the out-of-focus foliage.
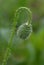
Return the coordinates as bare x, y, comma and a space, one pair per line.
30, 52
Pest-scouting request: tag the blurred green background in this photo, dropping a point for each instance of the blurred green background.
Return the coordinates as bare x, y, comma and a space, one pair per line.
32, 51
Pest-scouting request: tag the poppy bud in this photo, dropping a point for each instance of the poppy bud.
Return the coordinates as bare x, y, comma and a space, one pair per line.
24, 30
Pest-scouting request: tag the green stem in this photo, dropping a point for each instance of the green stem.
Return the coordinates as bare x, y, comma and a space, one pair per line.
8, 50
7, 53
28, 10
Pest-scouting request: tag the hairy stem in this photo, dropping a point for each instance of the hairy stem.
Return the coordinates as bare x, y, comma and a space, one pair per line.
8, 50
7, 53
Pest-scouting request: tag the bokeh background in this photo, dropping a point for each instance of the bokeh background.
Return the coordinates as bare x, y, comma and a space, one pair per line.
30, 52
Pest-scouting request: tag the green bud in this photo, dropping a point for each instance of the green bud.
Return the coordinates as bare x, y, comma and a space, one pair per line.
24, 31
